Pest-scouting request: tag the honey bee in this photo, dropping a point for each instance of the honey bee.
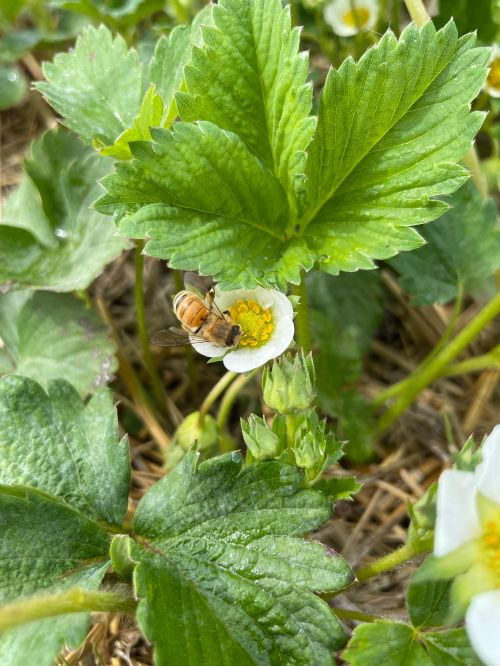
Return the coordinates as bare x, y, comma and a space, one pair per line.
201, 321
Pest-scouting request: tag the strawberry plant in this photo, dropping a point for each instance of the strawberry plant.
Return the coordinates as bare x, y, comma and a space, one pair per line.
304, 193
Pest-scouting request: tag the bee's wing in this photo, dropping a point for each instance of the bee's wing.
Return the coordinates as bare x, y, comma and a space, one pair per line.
174, 337
200, 285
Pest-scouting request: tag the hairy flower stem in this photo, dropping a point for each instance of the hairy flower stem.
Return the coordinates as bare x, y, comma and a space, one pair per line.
230, 396
417, 12
75, 600
302, 320
156, 384
387, 562
214, 393
428, 371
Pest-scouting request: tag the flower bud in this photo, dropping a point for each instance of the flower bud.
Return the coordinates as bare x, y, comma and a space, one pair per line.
191, 431
288, 385
261, 441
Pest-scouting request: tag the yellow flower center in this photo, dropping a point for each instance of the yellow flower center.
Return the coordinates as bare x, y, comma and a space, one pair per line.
490, 541
358, 19
493, 80
256, 323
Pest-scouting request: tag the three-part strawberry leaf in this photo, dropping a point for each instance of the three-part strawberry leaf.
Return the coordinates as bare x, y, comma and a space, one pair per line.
228, 191
222, 573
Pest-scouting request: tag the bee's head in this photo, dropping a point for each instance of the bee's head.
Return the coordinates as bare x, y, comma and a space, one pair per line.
234, 336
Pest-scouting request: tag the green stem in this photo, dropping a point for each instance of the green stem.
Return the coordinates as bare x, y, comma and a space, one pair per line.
230, 396
471, 160
427, 372
477, 364
214, 393
418, 12
75, 600
156, 384
387, 562
345, 614
302, 319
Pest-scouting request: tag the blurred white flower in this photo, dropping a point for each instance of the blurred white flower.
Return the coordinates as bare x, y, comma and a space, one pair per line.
347, 17
467, 538
266, 320
492, 83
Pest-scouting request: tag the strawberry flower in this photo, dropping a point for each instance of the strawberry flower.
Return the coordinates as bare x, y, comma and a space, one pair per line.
266, 320
467, 542
345, 22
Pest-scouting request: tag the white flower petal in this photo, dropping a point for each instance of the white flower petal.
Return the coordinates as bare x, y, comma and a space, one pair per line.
482, 622
246, 358
336, 11
208, 349
488, 471
457, 521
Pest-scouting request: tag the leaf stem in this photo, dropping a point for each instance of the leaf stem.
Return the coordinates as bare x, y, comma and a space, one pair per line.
230, 396
214, 393
156, 384
75, 600
387, 562
302, 320
418, 12
428, 371
491, 360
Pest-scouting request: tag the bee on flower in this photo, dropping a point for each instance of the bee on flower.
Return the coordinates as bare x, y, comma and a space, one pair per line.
467, 545
245, 328
348, 17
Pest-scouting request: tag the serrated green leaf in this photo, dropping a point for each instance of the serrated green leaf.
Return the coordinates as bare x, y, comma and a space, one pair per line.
428, 603
150, 115
46, 336
97, 87
450, 648
463, 248
390, 643
220, 210
45, 546
49, 239
338, 487
250, 79
52, 441
221, 566
390, 131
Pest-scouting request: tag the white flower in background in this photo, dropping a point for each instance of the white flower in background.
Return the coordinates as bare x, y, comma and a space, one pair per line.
345, 22
266, 320
492, 83
467, 538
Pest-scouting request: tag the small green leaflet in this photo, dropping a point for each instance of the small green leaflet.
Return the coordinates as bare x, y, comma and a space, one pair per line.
49, 238
397, 644
228, 192
45, 547
428, 602
97, 88
52, 441
46, 336
222, 574
463, 248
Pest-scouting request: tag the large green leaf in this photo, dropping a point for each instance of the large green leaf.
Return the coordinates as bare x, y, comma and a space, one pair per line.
54, 442
218, 195
463, 248
45, 547
47, 336
391, 129
251, 80
223, 576
49, 239
97, 87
